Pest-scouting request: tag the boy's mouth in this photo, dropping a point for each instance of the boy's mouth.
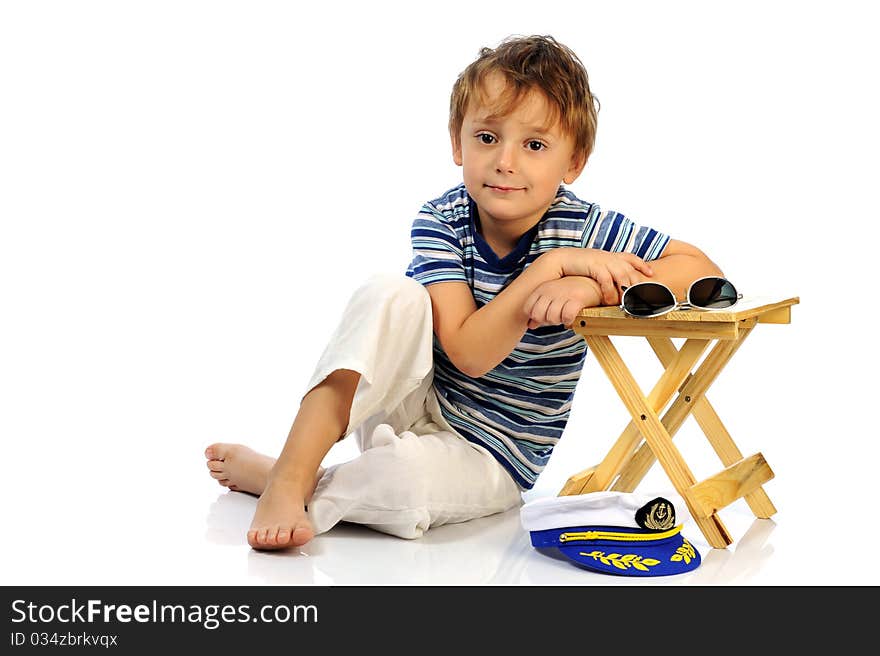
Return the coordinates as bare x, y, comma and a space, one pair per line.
502, 189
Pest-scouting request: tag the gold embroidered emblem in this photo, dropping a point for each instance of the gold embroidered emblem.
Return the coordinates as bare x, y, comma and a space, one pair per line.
685, 552
622, 561
660, 516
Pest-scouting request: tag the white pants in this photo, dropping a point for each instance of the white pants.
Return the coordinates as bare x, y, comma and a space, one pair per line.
414, 470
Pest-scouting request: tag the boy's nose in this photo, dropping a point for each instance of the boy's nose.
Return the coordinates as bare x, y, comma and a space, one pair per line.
506, 162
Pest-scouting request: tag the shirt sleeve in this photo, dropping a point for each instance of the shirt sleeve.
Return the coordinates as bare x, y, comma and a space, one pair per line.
438, 255
612, 231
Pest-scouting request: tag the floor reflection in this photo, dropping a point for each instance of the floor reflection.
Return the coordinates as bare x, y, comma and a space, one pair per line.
741, 561
493, 550
229, 518
470, 553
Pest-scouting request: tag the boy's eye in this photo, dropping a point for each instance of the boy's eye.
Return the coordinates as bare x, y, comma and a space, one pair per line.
486, 138
536, 145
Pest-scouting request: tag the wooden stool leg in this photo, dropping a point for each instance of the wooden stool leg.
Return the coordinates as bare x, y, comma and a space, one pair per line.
690, 393
677, 369
716, 433
656, 436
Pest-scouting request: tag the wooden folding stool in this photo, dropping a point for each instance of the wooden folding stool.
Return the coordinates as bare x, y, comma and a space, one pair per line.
648, 437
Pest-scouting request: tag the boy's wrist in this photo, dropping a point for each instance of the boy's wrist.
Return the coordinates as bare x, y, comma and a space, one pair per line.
600, 296
595, 291
571, 261
554, 262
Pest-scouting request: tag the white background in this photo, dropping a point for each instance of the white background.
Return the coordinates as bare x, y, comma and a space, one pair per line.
190, 191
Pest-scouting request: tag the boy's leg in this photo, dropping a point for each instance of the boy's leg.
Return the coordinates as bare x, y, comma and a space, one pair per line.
285, 484
406, 483
280, 519
380, 353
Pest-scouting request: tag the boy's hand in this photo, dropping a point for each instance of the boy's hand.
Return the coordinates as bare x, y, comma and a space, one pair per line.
558, 301
610, 270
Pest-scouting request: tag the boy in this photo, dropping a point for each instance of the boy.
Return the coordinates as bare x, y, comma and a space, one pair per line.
457, 379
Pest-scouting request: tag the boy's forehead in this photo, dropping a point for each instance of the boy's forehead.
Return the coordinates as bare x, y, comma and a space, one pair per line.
496, 99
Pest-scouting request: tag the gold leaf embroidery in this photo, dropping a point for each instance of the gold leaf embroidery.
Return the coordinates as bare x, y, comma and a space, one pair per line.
685, 552
622, 561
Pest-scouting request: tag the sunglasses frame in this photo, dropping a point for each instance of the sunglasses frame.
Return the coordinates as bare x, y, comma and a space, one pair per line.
684, 305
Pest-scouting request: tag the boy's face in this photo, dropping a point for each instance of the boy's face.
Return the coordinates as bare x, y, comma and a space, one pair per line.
513, 165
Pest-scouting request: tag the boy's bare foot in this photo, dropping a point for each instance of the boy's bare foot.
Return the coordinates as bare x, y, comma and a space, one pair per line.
280, 520
238, 467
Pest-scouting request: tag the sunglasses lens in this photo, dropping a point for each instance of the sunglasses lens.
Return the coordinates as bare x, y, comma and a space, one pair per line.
712, 294
645, 299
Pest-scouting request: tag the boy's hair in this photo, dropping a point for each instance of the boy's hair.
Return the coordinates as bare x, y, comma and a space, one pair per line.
527, 63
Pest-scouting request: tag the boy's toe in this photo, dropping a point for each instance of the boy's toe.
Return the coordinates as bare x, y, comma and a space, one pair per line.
301, 535
264, 539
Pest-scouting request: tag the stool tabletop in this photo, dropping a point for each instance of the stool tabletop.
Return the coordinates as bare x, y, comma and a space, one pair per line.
611, 320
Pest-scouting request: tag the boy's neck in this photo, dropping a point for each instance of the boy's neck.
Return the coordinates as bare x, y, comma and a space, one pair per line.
502, 237
500, 243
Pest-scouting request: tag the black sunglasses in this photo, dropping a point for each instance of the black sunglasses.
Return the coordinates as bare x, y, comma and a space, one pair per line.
652, 299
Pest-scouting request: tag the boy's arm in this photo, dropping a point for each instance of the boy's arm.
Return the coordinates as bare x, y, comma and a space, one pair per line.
559, 301
477, 340
677, 267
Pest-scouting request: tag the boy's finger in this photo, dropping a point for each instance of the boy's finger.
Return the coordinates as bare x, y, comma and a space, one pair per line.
640, 264
539, 309
609, 291
606, 286
569, 311
610, 294
554, 311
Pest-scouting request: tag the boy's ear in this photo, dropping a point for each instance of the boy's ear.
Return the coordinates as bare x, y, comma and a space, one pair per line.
578, 162
456, 149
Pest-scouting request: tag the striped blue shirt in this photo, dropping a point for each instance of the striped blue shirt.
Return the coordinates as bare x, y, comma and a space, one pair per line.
519, 409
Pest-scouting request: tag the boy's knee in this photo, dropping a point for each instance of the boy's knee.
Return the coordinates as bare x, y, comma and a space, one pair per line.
398, 289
